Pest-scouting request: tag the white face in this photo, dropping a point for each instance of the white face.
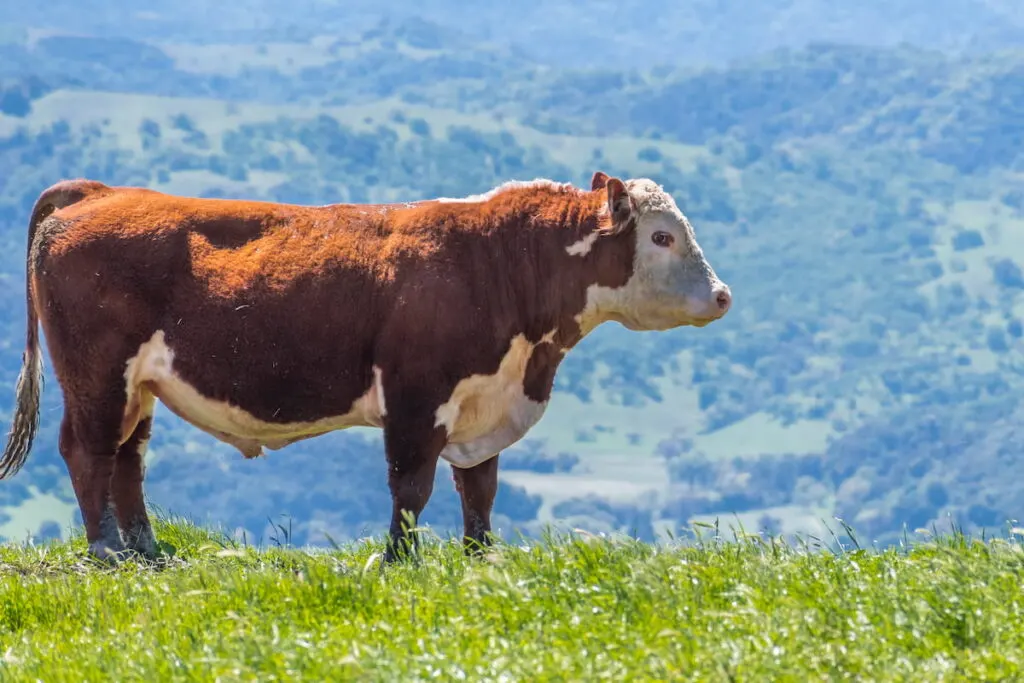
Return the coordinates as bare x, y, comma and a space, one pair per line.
672, 283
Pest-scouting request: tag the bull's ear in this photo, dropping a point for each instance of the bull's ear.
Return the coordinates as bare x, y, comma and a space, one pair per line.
599, 180
621, 207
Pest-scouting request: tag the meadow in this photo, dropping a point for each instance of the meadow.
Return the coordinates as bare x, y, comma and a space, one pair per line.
717, 605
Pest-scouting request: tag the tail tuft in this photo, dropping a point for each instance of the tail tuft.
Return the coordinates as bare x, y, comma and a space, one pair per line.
26, 414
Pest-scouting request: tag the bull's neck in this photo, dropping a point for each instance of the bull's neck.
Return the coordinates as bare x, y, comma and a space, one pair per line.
575, 271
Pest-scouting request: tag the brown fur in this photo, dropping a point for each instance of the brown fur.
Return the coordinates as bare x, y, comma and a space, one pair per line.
284, 310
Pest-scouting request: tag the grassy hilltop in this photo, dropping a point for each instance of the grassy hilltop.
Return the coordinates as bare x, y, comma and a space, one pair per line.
562, 608
864, 203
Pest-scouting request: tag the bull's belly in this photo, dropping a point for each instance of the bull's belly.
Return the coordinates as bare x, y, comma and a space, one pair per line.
484, 414
151, 371
235, 426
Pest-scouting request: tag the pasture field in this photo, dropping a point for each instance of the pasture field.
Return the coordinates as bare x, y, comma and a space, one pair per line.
719, 606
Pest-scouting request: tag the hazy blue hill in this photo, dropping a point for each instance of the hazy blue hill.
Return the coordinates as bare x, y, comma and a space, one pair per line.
361, 64
863, 202
564, 32
961, 111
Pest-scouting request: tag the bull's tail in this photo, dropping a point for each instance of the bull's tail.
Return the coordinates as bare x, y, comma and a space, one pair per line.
25, 422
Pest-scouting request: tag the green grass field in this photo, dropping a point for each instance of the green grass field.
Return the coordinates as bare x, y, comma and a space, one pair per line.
568, 608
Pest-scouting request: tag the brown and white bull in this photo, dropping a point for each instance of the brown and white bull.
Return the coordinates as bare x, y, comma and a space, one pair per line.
442, 322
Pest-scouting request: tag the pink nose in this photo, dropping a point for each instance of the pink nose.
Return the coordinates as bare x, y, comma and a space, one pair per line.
724, 299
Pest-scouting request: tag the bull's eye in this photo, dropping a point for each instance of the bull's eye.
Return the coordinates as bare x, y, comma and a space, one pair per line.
662, 239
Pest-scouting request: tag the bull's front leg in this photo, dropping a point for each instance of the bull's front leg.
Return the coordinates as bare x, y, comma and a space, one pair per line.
477, 486
413, 444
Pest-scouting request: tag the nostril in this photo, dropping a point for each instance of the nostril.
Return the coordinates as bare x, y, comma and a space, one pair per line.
723, 299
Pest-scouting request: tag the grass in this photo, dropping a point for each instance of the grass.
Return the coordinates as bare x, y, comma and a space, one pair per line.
562, 608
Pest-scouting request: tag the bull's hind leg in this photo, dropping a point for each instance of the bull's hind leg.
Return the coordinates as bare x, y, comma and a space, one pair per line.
88, 444
100, 441
126, 490
477, 486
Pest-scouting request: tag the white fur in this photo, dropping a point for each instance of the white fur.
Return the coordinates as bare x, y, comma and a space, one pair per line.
510, 185
147, 403
582, 247
378, 389
151, 371
650, 196
487, 413
600, 304
520, 415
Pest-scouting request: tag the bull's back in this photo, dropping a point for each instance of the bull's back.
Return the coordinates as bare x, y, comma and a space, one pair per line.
229, 246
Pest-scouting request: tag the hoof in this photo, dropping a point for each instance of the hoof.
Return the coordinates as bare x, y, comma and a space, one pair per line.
106, 552
399, 552
477, 547
143, 543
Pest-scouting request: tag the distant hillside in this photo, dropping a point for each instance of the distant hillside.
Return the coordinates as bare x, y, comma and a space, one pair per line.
864, 204
560, 33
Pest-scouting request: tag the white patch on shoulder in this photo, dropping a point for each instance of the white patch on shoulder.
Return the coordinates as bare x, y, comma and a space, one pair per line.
510, 185
151, 371
582, 247
488, 413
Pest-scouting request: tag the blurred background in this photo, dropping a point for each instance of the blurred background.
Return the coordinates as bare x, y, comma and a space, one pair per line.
854, 173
